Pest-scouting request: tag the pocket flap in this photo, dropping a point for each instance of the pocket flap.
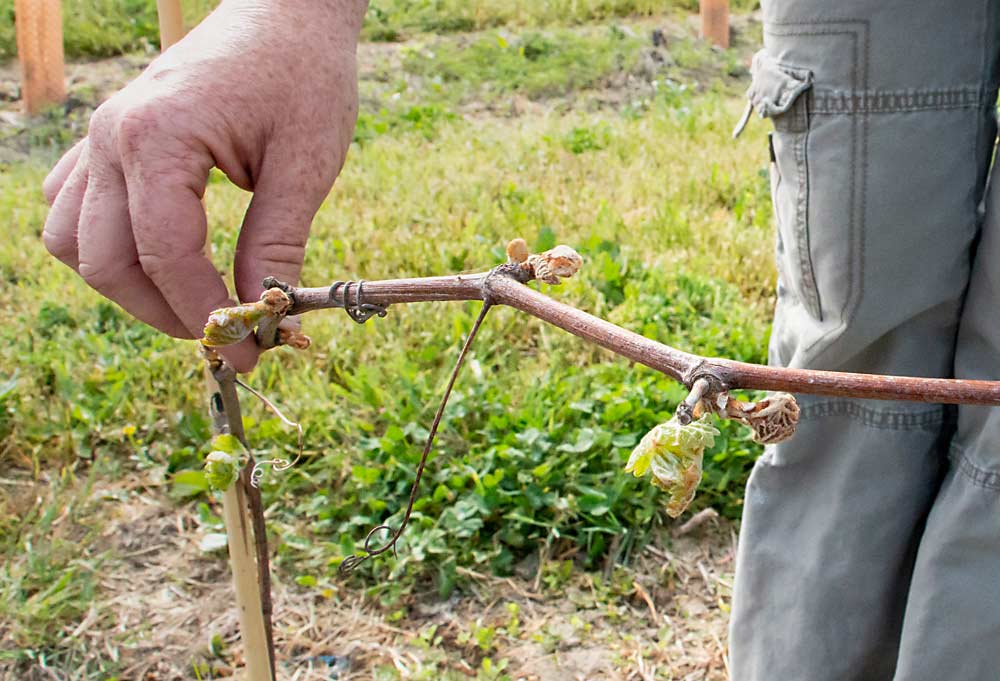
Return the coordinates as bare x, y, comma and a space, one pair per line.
775, 87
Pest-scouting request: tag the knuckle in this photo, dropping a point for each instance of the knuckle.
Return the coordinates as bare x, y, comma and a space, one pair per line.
137, 124
101, 131
155, 265
99, 277
101, 121
61, 246
285, 252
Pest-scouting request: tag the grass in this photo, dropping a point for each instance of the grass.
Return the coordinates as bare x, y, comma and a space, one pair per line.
671, 216
52, 581
393, 19
101, 28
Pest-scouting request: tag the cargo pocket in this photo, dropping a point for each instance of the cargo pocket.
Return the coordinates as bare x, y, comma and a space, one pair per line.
779, 92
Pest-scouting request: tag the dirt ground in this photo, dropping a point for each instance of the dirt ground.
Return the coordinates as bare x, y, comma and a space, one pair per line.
163, 600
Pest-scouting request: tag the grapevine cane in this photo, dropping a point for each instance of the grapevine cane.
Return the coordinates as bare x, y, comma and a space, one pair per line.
673, 451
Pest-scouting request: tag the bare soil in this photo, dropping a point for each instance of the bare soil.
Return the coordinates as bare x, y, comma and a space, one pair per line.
162, 599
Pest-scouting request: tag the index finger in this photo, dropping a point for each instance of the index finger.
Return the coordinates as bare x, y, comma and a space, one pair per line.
165, 186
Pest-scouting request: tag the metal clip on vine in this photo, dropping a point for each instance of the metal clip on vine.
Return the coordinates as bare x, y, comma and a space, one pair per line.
360, 311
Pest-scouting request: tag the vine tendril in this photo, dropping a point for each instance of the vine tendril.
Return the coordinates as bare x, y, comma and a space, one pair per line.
351, 562
276, 464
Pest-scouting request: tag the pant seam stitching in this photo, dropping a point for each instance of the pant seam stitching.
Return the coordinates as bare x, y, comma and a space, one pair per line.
852, 28
835, 101
978, 476
880, 419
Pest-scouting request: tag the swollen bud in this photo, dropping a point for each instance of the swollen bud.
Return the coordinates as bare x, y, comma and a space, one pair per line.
224, 463
230, 325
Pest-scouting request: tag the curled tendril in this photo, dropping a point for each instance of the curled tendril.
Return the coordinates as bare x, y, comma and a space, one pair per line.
350, 563
257, 472
278, 465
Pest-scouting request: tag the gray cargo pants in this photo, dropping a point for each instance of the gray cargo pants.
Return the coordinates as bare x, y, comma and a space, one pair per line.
870, 545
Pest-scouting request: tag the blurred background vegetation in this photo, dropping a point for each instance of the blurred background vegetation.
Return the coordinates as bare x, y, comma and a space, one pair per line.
103, 28
562, 121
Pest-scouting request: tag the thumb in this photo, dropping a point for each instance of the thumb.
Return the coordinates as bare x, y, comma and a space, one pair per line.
273, 239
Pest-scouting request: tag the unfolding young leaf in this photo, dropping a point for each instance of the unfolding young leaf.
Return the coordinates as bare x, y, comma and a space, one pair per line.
673, 454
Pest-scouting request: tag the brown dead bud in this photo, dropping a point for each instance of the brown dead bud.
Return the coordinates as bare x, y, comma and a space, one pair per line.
275, 301
773, 419
555, 264
293, 338
209, 354
517, 250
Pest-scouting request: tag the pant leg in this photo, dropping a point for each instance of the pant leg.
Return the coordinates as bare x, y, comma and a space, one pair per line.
879, 166
951, 629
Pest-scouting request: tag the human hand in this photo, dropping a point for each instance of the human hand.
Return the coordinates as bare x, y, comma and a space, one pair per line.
265, 90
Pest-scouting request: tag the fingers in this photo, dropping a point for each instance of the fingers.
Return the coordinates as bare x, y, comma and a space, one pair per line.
273, 239
108, 259
57, 176
165, 180
60, 233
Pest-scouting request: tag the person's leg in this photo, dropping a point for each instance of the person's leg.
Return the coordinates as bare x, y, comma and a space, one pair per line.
951, 629
880, 164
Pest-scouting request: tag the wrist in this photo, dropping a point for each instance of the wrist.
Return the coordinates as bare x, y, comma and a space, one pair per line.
341, 16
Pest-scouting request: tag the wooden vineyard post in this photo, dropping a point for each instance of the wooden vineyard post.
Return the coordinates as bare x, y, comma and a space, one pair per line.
254, 625
40, 52
171, 22
715, 22
239, 536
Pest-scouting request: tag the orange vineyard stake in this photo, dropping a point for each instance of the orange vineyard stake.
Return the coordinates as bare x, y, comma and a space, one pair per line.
171, 22
715, 22
40, 51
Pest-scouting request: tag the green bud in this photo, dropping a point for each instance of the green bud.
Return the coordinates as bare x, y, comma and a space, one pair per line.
222, 470
224, 462
232, 324
673, 454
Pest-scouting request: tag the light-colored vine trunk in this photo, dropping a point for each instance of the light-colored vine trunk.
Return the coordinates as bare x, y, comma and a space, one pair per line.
236, 513
171, 20
40, 51
239, 535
